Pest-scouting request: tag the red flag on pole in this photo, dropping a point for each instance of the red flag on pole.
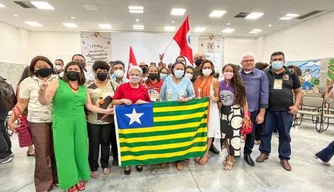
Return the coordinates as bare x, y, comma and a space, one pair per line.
182, 38
132, 61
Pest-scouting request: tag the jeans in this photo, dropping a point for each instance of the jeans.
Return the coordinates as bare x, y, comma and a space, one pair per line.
99, 135
5, 143
249, 143
327, 153
283, 121
258, 131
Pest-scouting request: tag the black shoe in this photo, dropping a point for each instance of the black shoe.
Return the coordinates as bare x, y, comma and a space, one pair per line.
214, 150
114, 162
249, 160
139, 169
127, 172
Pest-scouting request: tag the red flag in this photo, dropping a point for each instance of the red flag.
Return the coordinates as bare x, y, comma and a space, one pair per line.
132, 61
182, 38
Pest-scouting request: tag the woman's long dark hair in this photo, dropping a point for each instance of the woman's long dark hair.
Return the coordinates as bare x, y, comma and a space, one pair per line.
24, 75
238, 85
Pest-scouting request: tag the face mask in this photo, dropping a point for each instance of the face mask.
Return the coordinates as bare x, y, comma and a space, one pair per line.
101, 76
44, 72
207, 72
189, 76
119, 73
179, 73
144, 70
228, 75
153, 76
134, 79
163, 76
58, 67
73, 75
198, 62
277, 65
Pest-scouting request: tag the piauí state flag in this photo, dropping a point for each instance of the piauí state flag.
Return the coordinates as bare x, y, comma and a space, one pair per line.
160, 132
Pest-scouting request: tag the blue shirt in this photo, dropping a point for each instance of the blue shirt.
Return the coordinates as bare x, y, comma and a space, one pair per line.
257, 89
172, 92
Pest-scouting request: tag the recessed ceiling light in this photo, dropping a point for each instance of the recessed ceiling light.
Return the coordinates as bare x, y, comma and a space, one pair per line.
285, 18
291, 15
91, 7
228, 30
72, 18
105, 26
256, 31
173, 21
137, 20
42, 5
136, 7
269, 25
70, 25
178, 11
200, 29
15, 15
136, 11
217, 13
2, 6
228, 24
138, 26
33, 23
254, 15
169, 28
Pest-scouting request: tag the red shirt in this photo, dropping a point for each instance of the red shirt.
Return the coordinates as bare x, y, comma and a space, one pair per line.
125, 91
156, 86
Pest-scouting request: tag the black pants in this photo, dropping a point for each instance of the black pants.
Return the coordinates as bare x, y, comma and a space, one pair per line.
99, 135
5, 143
249, 144
113, 142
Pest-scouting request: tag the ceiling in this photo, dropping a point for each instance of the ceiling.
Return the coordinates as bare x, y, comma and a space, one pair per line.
157, 15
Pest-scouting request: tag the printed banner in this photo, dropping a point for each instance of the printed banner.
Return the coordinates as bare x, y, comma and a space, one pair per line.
213, 48
96, 46
160, 132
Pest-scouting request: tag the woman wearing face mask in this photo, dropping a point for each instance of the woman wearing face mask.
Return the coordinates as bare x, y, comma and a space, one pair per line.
232, 93
154, 83
190, 73
39, 121
101, 128
129, 93
177, 88
69, 97
163, 73
207, 86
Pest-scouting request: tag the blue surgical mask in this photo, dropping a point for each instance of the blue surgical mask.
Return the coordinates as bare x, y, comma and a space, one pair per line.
179, 73
277, 65
163, 76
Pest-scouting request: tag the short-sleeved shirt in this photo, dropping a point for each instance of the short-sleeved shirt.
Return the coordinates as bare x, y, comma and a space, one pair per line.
226, 93
172, 92
282, 99
101, 98
125, 91
37, 113
154, 90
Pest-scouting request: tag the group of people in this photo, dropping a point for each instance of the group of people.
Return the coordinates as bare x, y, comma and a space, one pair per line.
67, 104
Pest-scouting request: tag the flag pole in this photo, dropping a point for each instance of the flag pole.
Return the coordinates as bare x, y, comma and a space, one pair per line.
168, 46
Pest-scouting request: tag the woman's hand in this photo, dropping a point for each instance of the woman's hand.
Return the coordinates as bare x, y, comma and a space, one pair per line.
140, 101
109, 111
127, 101
246, 121
13, 127
42, 87
213, 98
182, 99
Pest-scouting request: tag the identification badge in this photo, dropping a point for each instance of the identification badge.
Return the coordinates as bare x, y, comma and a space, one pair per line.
278, 84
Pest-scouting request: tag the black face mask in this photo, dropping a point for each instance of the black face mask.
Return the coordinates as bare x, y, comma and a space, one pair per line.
198, 62
44, 72
153, 76
144, 70
101, 76
73, 75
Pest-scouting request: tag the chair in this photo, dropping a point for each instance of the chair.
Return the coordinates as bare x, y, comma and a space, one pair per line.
312, 95
329, 114
310, 106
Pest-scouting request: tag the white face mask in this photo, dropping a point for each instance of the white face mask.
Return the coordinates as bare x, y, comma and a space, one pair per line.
207, 72
189, 76
134, 79
58, 67
119, 73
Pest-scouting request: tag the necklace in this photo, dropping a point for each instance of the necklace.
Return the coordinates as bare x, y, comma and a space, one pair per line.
75, 89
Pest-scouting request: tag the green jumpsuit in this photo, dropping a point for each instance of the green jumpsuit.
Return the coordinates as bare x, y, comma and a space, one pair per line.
70, 135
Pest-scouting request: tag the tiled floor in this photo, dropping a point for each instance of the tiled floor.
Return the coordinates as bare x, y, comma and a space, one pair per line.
307, 173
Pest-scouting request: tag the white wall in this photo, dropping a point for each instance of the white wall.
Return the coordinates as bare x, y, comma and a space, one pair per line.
235, 47
312, 39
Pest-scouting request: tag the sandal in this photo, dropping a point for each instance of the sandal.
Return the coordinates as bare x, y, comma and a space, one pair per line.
106, 171
179, 166
163, 165
228, 166
73, 189
204, 160
197, 159
81, 186
225, 161
94, 174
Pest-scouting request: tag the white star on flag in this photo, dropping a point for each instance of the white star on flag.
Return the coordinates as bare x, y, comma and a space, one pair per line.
134, 116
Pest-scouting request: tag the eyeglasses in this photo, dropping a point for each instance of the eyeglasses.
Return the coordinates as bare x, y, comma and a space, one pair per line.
248, 61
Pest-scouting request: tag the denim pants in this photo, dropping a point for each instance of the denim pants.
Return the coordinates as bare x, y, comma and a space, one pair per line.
5, 143
249, 143
283, 121
327, 153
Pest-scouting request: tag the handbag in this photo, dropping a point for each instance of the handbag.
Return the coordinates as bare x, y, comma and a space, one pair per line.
24, 134
247, 130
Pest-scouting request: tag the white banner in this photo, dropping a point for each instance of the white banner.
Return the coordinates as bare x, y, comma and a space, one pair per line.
213, 48
95, 46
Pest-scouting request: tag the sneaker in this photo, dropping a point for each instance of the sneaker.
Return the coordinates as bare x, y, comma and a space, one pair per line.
5, 160
11, 154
